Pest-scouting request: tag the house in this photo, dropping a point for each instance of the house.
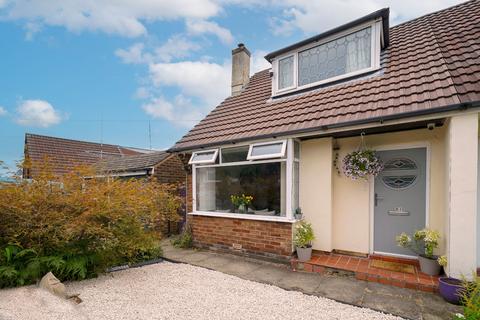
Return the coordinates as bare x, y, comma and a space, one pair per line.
64, 155
410, 91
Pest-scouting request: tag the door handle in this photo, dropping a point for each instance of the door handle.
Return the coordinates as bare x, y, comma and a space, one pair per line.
377, 198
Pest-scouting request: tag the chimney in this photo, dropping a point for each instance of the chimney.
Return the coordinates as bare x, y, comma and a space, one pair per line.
240, 68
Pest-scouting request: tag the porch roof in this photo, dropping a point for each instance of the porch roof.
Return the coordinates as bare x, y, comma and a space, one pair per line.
431, 65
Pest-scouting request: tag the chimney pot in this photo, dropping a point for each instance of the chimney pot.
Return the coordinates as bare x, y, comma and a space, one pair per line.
240, 68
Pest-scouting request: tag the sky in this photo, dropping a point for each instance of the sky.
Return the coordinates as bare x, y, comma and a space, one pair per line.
141, 73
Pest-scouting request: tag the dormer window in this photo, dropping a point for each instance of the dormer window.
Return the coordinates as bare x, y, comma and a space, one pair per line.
348, 51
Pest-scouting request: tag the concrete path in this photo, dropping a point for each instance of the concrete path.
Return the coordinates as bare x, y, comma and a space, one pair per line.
406, 303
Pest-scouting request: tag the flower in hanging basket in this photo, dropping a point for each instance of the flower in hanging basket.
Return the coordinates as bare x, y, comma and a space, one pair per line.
362, 164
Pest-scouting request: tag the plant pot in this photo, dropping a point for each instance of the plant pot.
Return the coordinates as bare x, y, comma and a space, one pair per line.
429, 266
304, 254
450, 289
298, 216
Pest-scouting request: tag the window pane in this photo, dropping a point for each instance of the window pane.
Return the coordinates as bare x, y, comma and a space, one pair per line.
234, 154
203, 156
334, 58
296, 185
285, 72
266, 149
296, 150
265, 182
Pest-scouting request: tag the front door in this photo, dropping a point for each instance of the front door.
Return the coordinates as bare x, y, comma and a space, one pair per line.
400, 198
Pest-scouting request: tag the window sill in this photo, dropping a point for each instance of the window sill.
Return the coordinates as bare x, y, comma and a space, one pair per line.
243, 216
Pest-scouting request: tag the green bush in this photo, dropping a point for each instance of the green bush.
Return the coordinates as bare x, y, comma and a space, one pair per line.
77, 227
471, 299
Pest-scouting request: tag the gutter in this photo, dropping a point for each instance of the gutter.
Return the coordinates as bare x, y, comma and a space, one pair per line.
452, 107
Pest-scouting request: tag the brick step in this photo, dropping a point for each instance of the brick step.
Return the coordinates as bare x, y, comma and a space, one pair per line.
359, 268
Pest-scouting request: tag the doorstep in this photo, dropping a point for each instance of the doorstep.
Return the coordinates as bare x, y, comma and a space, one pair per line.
363, 270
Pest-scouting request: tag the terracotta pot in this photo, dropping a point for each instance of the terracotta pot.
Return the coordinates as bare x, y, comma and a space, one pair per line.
304, 254
429, 266
450, 289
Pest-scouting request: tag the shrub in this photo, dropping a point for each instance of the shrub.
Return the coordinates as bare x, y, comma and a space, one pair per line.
91, 224
470, 299
185, 240
303, 235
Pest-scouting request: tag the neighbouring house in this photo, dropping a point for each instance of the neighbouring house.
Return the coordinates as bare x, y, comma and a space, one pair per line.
413, 90
64, 155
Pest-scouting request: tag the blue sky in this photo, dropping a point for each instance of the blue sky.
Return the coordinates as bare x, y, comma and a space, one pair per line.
103, 70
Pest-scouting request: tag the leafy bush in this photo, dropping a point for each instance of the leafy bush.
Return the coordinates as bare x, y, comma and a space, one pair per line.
470, 299
303, 235
89, 224
185, 240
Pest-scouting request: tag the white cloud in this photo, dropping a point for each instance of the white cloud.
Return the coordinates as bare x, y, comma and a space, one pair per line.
198, 27
37, 113
202, 86
142, 93
317, 16
175, 47
134, 54
122, 17
180, 111
2, 111
258, 62
205, 80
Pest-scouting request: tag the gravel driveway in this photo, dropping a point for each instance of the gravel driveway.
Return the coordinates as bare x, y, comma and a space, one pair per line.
174, 291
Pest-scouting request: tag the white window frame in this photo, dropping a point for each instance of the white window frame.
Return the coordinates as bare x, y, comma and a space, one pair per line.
214, 158
376, 26
281, 154
289, 217
295, 79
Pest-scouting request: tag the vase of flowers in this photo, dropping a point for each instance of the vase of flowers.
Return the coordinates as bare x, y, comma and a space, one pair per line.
241, 202
362, 164
423, 243
303, 241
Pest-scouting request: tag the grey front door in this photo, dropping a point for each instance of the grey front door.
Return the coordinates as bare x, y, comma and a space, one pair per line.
400, 198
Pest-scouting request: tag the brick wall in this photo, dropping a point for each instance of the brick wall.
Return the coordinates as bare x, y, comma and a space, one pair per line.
265, 238
171, 170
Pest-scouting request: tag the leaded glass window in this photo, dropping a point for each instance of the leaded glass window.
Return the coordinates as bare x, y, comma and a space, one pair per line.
340, 56
400, 173
285, 72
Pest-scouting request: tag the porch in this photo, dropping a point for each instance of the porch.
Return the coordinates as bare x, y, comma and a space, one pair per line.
398, 272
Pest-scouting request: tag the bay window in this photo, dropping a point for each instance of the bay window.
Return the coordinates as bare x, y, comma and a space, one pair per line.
263, 175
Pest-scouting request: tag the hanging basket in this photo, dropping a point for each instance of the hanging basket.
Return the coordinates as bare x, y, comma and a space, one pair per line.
362, 164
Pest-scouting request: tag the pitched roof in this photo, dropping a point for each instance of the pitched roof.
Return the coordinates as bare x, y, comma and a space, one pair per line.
432, 64
133, 163
65, 154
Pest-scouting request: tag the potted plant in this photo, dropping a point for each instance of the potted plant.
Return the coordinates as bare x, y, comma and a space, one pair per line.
450, 289
303, 241
423, 243
241, 202
362, 164
298, 213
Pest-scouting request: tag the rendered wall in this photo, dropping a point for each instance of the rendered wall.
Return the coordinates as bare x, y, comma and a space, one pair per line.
339, 208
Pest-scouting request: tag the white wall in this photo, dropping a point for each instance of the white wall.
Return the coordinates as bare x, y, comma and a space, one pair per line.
316, 189
462, 153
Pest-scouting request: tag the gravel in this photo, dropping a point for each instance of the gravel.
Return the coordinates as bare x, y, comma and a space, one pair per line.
174, 291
